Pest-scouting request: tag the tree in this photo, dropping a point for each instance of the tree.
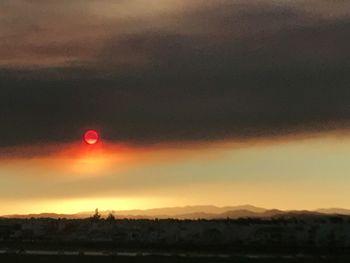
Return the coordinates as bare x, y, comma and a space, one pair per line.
111, 217
97, 215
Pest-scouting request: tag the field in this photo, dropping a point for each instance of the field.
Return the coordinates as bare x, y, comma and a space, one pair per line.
170, 259
297, 238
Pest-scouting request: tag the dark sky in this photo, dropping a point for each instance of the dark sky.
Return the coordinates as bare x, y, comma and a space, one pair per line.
167, 71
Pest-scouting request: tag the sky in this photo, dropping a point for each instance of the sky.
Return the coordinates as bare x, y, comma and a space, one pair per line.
223, 102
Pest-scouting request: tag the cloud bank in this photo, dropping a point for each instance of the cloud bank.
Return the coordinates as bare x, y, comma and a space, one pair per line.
161, 71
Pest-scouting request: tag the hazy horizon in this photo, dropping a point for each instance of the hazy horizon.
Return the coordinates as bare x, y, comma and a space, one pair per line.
188, 211
193, 102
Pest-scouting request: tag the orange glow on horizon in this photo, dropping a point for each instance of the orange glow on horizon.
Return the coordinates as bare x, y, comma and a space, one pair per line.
92, 159
76, 176
76, 158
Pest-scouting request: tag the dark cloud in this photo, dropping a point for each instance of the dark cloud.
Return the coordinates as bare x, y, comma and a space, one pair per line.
202, 70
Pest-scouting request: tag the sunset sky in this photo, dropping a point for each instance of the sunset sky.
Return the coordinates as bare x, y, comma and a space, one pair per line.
219, 102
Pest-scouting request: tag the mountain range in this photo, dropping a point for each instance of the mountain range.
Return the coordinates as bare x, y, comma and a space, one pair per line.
190, 212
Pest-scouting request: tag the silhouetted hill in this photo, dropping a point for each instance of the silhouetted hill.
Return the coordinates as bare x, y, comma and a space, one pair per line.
167, 212
246, 213
233, 214
178, 211
44, 215
339, 211
191, 212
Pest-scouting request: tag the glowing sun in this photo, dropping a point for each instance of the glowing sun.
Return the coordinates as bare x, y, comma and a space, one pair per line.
91, 137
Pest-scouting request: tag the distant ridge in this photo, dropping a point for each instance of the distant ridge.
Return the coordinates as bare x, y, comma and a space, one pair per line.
44, 215
339, 211
191, 212
175, 211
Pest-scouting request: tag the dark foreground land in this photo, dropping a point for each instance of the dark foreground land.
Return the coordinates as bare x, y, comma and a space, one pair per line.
170, 259
288, 238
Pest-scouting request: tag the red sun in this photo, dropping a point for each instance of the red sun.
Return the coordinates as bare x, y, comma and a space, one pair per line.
91, 137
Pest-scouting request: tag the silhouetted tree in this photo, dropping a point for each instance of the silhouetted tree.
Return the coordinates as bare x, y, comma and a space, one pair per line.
96, 216
110, 217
